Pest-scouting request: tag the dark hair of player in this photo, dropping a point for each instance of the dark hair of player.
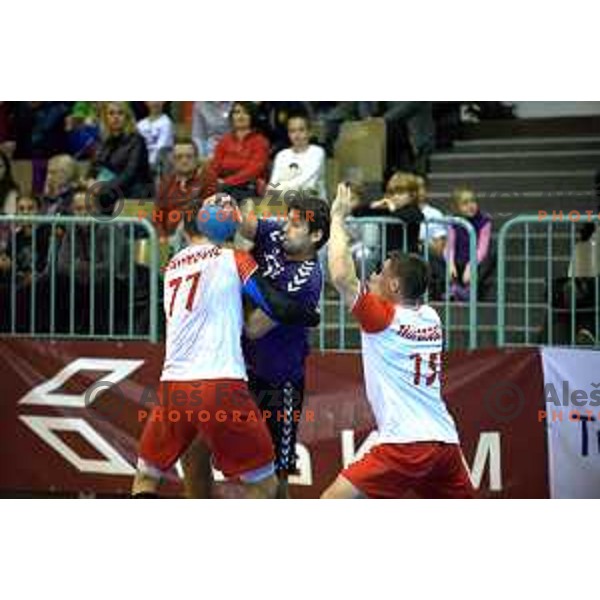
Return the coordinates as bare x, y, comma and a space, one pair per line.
316, 213
413, 272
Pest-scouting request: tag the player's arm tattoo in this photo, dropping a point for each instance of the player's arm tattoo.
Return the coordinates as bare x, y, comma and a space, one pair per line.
278, 305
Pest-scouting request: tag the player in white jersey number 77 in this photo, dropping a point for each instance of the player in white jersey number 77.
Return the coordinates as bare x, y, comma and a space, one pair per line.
203, 394
418, 448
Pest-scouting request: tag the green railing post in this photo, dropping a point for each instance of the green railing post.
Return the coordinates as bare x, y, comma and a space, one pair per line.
154, 273
528, 220
474, 267
69, 223
501, 295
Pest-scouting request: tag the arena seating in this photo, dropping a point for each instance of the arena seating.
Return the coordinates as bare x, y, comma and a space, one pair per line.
516, 167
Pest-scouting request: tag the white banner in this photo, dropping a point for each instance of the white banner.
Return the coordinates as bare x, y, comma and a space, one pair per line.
572, 394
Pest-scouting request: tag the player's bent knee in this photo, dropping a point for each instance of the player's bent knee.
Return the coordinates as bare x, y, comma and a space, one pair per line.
263, 490
261, 483
341, 489
147, 479
144, 486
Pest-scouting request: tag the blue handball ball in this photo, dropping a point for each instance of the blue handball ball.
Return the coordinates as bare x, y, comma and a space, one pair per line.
218, 224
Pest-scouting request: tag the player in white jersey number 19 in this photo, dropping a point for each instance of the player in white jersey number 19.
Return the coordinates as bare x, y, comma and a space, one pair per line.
418, 449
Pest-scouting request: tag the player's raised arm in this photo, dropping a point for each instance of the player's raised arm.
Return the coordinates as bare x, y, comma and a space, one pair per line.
341, 266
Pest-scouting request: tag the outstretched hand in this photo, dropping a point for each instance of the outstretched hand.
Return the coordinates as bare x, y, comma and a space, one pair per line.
342, 205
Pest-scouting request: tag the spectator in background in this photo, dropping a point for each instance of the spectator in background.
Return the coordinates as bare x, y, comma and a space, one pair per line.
109, 265
465, 205
334, 114
24, 258
29, 258
122, 158
158, 132
447, 123
210, 122
60, 181
433, 238
179, 191
48, 137
272, 121
83, 130
84, 261
39, 131
239, 165
410, 135
9, 190
400, 203
302, 166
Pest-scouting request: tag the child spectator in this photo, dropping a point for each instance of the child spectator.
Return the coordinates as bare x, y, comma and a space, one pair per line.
157, 129
272, 121
400, 203
83, 130
122, 158
302, 166
180, 190
465, 205
210, 122
240, 162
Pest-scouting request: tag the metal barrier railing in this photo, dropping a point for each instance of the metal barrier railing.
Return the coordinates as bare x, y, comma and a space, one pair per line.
78, 277
567, 284
371, 248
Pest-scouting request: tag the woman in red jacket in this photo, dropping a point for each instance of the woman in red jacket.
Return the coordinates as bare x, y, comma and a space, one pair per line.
239, 165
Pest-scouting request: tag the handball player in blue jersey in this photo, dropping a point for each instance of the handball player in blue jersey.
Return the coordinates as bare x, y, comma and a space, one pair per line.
275, 354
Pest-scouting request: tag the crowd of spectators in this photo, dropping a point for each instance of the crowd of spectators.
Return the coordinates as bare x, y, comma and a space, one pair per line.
421, 228
240, 148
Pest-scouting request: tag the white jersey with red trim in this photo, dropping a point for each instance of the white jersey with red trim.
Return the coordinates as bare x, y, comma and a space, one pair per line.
204, 315
402, 360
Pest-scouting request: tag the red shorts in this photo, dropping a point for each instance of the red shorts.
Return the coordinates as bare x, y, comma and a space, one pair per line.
430, 470
224, 415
